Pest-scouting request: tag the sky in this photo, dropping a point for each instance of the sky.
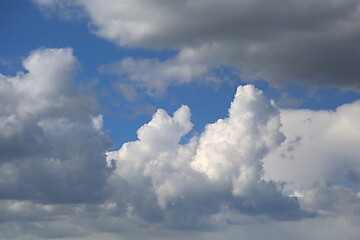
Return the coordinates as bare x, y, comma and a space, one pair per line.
152, 119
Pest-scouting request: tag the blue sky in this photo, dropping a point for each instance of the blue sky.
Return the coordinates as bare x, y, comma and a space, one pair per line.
25, 27
80, 87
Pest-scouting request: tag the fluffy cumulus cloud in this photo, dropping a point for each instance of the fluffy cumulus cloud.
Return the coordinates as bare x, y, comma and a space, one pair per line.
51, 151
188, 183
260, 171
242, 170
311, 42
255, 166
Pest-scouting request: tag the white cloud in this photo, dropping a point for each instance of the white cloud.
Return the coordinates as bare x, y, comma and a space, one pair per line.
54, 181
43, 87
322, 144
157, 155
231, 150
50, 151
319, 161
309, 41
221, 167
221, 178
236, 165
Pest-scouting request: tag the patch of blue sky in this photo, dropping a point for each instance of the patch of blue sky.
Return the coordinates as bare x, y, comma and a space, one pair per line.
24, 29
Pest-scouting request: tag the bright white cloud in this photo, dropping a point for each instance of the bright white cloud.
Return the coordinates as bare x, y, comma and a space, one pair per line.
322, 144
319, 160
221, 167
231, 150
233, 162
45, 86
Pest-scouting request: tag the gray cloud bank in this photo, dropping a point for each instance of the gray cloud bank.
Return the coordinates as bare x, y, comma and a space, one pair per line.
314, 42
57, 179
50, 150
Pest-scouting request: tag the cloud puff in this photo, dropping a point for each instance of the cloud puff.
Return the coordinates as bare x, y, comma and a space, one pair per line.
230, 149
223, 167
51, 150
319, 160
311, 42
321, 143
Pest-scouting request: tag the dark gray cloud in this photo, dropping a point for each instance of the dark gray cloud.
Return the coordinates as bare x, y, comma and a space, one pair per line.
314, 42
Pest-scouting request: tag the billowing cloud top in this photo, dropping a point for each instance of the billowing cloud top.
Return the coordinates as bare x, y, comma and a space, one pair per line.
58, 180
308, 41
222, 168
259, 172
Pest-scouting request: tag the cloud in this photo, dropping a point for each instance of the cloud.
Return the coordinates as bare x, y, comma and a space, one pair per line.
227, 181
127, 91
319, 161
51, 148
240, 175
330, 199
184, 184
322, 144
50, 8
37, 221
155, 76
311, 42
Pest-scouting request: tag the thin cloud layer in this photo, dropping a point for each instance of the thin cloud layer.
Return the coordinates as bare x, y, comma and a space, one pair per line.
311, 42
50, 149
156, 76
